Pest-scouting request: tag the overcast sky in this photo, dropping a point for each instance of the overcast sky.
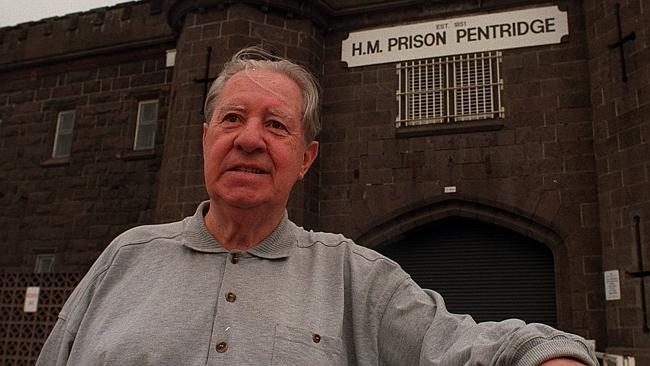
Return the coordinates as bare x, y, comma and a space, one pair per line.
14, 12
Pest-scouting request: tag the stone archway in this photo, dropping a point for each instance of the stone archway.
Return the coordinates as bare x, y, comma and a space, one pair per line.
393, 228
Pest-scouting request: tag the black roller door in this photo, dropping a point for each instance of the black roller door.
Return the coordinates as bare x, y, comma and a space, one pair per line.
487, 271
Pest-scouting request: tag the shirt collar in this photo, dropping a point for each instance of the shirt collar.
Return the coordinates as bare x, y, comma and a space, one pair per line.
278, 244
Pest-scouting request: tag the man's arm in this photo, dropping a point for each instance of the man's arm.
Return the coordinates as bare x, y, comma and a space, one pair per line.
417, 320
56, 349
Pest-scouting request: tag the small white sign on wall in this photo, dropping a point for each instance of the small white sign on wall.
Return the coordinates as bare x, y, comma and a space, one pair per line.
170, 60
31, 299
612, 285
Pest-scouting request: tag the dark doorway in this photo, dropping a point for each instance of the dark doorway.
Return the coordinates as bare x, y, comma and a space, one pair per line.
484, 270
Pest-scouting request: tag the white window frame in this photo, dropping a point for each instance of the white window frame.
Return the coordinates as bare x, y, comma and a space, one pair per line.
61, 134
44, 263
449, 89
145, 123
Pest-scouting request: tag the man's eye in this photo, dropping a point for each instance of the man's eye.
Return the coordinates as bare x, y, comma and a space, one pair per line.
277, 125
232, 118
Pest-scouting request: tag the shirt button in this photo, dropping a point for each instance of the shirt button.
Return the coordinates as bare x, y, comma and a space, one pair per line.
234, 258
230, 297
222, 347
315, 338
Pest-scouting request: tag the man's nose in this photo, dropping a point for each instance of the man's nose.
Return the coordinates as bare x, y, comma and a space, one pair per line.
250, 137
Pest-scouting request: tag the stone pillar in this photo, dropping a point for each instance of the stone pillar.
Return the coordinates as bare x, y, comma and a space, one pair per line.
621, 119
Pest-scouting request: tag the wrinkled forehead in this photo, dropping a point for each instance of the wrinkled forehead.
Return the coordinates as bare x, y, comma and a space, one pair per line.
263, 82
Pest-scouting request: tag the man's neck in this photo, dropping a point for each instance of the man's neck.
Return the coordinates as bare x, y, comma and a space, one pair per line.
240, 229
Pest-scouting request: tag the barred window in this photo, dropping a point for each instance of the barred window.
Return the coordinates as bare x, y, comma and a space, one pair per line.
449, 89
63, 135
145, 130
44, 263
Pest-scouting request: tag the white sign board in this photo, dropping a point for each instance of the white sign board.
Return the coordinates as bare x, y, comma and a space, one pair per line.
450, 189
612, 285
31, 299
454, 36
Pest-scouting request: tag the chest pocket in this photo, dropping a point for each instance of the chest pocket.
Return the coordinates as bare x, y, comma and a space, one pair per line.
297, 346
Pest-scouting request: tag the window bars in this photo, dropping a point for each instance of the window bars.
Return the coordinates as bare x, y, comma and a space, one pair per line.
63, 134
146, 125
44, 263
449, 89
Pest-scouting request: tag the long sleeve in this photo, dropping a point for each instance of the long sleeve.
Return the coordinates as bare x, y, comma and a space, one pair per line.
416, 322
56, 349
58, 346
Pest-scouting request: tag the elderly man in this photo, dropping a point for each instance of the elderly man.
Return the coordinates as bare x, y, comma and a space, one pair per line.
238, 283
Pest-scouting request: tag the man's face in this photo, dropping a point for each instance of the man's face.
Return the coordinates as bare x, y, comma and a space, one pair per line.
254, 146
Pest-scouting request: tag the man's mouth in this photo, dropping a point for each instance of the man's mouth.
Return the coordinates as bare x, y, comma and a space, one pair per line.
249, 170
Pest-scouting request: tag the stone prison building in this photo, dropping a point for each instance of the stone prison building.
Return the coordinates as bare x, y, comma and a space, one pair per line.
498, 150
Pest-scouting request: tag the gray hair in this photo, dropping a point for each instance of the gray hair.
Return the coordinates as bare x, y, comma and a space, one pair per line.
256, 57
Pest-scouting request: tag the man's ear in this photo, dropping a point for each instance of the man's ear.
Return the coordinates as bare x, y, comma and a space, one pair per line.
206, 126
205, 131
310, 154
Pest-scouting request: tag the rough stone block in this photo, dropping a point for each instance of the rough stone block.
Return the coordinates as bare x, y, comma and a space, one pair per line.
131, 68
237, 26
273, 34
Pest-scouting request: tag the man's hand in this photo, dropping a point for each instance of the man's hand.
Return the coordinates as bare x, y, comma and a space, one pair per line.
562, 362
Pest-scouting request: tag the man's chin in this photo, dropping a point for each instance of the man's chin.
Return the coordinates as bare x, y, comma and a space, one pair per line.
244, 202
249, 198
